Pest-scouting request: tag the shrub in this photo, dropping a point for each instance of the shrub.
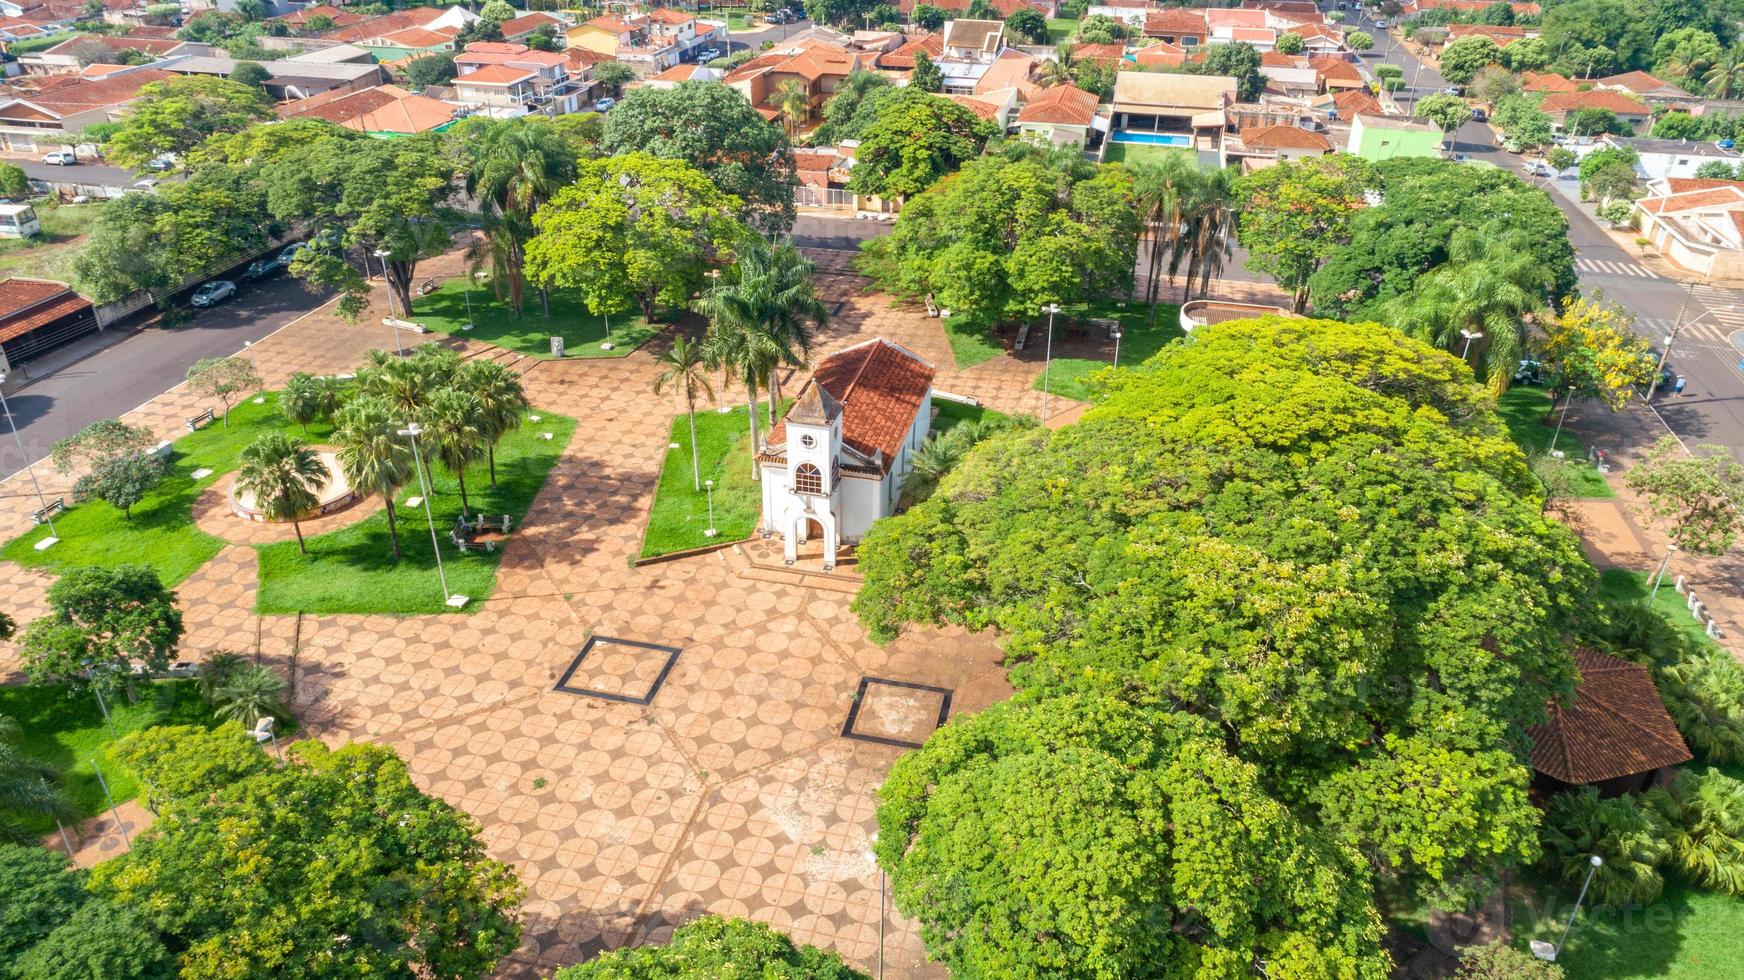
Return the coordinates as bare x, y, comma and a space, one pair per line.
1499, 961
1705, 694
1703, 818
1627, 835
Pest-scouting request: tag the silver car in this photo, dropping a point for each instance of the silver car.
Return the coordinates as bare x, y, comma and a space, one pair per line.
213, 293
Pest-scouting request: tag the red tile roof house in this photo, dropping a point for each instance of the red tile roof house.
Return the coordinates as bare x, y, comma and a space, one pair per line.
1560, 104
1064, 115
1263, 146
835, 463
555, 90
1185, 28
64, 57
38, 316
33, 121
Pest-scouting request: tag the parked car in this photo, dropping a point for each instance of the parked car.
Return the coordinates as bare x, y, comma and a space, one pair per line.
707, 55
213, 293
160, 164
145, 184
604, 104
1479, 115
263, 267
1381, 23
1538, 168
61, 158
289, 253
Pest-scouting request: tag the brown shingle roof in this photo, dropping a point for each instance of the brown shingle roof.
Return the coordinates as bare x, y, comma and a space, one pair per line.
1615, 726
880, 387
99, 93
1638, 82
26, 304
374, 27
1175, 23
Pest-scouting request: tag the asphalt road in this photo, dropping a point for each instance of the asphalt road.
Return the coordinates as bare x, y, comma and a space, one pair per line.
1707, 351
82, 173
125, 375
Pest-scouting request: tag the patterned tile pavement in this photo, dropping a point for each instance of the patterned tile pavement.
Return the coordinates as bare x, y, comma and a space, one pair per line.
733, 789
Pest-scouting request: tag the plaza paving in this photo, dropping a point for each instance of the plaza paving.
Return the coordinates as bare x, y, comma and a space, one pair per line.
642, 744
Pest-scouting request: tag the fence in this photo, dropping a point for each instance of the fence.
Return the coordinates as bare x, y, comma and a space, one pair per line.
806, 196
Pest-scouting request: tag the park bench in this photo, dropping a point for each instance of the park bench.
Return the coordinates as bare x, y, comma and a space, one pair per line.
399, 324
52, 508
194, 422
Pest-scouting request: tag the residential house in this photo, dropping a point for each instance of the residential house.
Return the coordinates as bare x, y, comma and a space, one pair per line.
64, 57
1547, 82
1559, 105
38, 316
1164, 54
1337, 74
518, 29
834, 464
1319, 39
499, 91
817, 68
1011, 70
1521, 9
1697, 224
1005, 8
386, 112
1289, 74
413, 42
1184, 28
899, 61
1659, 159
553, 90
31, 121
1249, 26
970, 48
1064, 115
1503, 36
1132, 13
370, 31
1375, 137
287, 79
1613, 733
1349, 103
1108, 55
1192, 105
651, 43
18, 29
1263, 146
999, 113
1644, 87
299, 19
679, 74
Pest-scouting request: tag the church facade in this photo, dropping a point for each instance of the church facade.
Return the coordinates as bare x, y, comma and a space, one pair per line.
835, 462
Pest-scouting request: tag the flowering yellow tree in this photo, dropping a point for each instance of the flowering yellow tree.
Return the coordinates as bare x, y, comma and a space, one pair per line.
1589, 351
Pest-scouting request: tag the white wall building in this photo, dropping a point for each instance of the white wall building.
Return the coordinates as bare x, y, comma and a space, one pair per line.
835, 463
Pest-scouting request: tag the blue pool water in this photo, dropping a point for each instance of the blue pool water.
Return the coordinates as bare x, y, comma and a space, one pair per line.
1163, 139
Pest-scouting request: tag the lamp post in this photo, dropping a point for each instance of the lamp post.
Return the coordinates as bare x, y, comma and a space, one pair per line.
248, 348
24, 457
1048, 357
1117, 333
1469, 335
710, 531
105, 784
411, 431
1546, 951
97, 689
468, 324
1660, 575
382, 253
1676, 329
607, 317
1566, 402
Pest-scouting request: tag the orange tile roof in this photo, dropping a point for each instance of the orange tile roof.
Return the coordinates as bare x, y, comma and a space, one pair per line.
1162, 53
610, 23
383, 109
809, 160
528, 23
1278, 59
340, 18
1263, 35
417, 37
1617, 102
902, 59
983, 109
1177, 23
495, 75
880, 387
374, 27
1283, 137
98, 93
1616, 725
1683, 185
1716, 197
1108, 54
1065, 105
1638, 82
1333, 67
666, 15
1235, 18
1011, 69
1352, 101
1533, 81
147, 45
26, 304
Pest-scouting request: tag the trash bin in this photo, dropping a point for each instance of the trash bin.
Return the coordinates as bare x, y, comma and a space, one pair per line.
556, 346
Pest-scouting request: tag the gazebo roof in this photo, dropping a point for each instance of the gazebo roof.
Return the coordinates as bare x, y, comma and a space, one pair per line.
1615, 726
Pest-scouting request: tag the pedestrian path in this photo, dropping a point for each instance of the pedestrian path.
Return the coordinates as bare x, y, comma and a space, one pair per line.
1611, 267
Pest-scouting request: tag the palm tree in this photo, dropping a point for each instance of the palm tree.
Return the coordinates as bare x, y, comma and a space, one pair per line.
216, 670
1703, 819
283, 474
772, 291
1207, 231
251, 692
452, 430
740, 349
1493, 288
1161, 190
400, 381
513, 168
27, 785
793, 102
1725, 80
372, 454
501, 402
684, 365
1061, 69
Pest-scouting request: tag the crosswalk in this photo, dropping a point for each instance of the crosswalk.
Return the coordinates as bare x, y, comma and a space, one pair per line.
1610, 267
1714, 314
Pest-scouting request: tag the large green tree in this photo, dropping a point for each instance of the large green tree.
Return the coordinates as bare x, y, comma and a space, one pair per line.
1081, 837
38, 891
175, 115
1296, 216
916, 139
1464, 58
713, 948
512, 167
333, 866
1241, 530
633, 229
712, 128
101, 622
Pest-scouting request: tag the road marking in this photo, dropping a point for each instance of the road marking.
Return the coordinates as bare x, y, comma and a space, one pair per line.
1608, 267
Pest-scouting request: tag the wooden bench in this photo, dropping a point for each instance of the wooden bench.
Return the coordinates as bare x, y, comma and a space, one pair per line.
399, 324
196, 421
55, 506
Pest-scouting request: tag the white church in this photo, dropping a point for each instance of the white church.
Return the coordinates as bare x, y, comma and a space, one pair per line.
835, 463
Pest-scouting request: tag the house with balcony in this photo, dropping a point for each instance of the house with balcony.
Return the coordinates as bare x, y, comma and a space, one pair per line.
1189, 107
1697, 224
556, 89
969, 49
650, 43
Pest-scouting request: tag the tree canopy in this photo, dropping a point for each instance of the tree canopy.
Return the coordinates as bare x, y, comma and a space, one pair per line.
1011, 234
112, 617
1296, 216
712, 128
333, 866
916, 138
714, 948
1236, 532
175, 115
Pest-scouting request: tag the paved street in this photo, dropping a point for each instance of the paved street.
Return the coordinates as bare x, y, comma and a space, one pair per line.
83, 173
121, 377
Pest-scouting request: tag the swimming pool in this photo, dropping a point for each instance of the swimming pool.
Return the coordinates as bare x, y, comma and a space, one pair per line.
1161, 139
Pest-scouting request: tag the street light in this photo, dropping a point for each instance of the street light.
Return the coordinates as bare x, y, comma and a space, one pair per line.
1048, 357
1117, 333
710, 531
382, 253
24, 456
1469, 336
411, 431
608, 342
97, 689
105, 784
1546, 951
1660, 576
248, 348
1566, 402
1677, 328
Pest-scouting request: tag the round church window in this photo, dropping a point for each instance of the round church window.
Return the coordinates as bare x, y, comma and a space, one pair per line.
807, 441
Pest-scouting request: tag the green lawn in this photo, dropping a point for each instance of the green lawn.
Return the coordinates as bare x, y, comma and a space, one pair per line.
680, 514
50, 254
1688, 934
352, 570
582, 330
67, 731
972, 341
1061, 29
1069, 377
1135, 152
1618, 585
161, 532
1523, 408
949, 415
